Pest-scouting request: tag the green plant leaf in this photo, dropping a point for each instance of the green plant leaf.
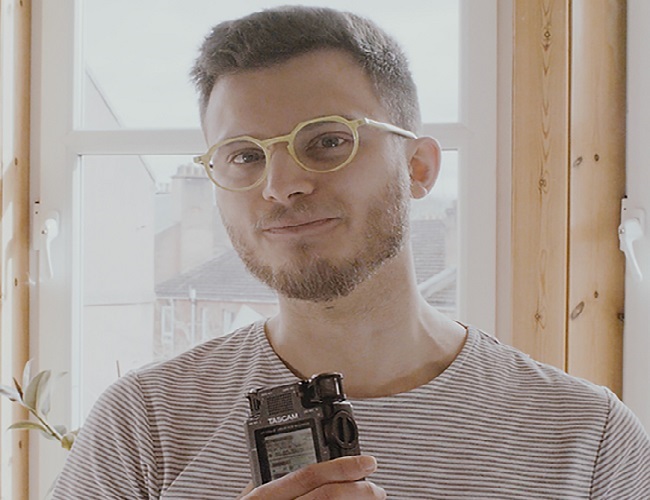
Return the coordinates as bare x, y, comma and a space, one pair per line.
18, 388
9, 392
31, 426
26, 424
37, 387
44, 401
27, 373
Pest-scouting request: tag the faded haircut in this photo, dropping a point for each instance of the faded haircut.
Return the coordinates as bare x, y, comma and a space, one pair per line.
274, 36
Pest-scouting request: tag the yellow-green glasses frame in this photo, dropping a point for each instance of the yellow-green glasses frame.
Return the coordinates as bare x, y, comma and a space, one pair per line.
289, 138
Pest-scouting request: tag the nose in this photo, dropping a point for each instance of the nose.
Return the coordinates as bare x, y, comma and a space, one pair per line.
285, 179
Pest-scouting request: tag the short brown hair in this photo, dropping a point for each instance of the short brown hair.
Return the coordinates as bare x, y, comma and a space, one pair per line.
273, 36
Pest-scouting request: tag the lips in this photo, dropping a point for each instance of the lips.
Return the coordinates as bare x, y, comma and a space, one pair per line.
299, 226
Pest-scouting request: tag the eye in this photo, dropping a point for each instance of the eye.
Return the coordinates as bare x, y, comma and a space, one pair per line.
328, 141
324, 144
247, 157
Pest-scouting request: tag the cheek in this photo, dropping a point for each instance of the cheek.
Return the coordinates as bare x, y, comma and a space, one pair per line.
382, 160
375, 170
234, 212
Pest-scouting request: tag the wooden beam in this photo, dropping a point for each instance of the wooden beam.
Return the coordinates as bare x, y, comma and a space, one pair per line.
539, 178
14, 225
597, 172
568, 178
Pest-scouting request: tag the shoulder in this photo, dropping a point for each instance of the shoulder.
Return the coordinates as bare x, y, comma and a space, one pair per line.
214, 376
222, 354
511, 366
517, 377
217, 372
623, 462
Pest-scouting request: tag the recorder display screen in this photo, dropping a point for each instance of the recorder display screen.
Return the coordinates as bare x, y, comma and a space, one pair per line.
289, 451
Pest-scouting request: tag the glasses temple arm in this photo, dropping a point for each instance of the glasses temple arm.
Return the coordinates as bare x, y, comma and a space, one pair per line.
391, 128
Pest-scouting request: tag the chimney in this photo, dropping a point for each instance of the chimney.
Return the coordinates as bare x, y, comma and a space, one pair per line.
193, 208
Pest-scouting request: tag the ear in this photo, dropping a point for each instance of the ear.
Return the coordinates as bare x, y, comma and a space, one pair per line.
424, 165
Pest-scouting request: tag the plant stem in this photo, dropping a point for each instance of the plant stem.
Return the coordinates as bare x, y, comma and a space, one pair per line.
53, 432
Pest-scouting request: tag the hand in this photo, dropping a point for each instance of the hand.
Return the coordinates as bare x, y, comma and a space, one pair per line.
338, 478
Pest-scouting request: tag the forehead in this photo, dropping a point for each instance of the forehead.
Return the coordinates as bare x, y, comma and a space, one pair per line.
271, 101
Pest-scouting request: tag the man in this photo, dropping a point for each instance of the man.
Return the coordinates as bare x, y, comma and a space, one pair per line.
309, 115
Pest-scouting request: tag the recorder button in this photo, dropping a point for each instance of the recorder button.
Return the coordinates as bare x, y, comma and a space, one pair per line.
254, 402
344, 430
328, 387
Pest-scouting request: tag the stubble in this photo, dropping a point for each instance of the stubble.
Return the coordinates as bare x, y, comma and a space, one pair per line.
319, 279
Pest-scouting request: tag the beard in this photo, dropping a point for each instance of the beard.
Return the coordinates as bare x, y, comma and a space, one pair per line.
317, 279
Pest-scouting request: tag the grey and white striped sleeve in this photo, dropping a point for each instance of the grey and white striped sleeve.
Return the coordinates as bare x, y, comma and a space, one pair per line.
622, 469
113, 456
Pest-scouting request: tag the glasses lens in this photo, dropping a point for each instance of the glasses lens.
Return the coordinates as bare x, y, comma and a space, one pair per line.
237, 164
324, 146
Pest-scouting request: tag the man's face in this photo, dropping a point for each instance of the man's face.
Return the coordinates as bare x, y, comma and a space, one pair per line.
311, 236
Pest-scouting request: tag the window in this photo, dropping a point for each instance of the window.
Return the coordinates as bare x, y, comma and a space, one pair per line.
636, 370
141, 268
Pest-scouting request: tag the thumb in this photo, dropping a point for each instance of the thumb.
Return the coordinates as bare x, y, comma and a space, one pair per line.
246, 491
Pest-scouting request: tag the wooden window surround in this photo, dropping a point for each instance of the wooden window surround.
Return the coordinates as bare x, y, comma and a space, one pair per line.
568, 176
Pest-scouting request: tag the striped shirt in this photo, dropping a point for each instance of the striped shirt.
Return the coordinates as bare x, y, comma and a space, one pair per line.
494, 424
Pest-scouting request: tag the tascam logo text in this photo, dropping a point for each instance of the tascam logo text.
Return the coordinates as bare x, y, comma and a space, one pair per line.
283, 418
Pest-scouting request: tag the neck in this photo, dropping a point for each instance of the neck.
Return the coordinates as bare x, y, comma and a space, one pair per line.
383, 337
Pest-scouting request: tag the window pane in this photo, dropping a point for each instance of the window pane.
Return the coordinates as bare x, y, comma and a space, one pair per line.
139, 72
160, 275
434, 238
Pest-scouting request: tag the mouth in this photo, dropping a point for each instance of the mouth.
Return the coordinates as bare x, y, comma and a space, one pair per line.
312, 226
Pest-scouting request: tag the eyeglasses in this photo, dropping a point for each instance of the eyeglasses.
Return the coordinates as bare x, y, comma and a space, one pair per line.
320, 145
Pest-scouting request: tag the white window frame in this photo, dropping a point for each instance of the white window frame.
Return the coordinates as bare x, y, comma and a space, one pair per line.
636, 348
55, 188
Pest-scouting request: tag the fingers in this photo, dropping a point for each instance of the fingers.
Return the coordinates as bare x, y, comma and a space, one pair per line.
359, 490
333, 471
338, 477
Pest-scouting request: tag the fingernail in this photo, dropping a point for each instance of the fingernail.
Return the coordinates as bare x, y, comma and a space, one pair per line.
367, 463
